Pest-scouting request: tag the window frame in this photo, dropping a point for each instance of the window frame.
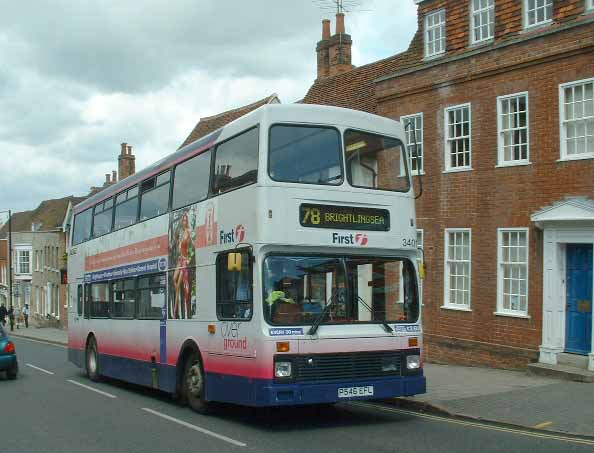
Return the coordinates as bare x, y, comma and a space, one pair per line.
142, 193
213, 161
421, 156
222, 256
443, 37
79, 299
108, 301
501, 311
562, 122
313, 126
473, 26
446, 274
448, 139
500, 141
174, 171
112, 292
103, 209
77, 217
18, 249
116, 204
401, 144
138, 297
528, 26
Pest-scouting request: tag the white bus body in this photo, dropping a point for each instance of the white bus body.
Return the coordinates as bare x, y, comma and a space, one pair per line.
324, 305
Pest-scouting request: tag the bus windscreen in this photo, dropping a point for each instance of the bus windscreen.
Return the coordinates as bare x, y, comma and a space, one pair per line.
297, 289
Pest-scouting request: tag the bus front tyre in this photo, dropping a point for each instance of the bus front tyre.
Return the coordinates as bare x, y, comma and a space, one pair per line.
92, 361
193, 385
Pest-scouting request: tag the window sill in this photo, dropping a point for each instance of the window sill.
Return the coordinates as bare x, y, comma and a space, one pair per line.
457, 170
434, 56
513, 164
511, 315
528, 28
450, 307
579, 157
481, 43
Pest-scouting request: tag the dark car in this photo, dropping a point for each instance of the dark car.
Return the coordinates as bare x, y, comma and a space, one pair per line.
8, 358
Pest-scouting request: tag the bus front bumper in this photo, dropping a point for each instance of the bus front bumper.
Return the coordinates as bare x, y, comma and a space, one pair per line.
289, 394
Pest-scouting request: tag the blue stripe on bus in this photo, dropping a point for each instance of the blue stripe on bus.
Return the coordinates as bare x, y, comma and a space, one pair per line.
262, 392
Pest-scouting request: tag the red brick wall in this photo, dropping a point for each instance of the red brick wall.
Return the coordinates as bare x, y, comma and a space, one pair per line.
487, 198
508, 19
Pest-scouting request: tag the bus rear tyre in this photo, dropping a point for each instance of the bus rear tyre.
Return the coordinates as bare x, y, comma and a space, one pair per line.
92, 361
193, 385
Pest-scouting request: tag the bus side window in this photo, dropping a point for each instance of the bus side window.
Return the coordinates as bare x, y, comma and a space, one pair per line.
79, 300
87, 301
234, 288
236, 162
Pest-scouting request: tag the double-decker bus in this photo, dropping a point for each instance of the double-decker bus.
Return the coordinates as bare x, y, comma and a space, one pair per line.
271, 262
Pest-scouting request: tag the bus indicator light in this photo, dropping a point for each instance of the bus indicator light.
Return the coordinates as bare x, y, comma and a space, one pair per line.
283, 346
212, 329
413, 342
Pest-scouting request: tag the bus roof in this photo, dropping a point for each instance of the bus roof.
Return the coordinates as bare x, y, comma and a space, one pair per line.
295, 113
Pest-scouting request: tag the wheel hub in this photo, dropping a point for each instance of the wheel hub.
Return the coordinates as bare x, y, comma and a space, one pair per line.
195, 380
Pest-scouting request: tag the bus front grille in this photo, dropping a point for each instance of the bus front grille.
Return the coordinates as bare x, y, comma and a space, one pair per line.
357, 365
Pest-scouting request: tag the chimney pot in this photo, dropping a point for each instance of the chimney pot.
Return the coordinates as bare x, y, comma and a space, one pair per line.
340, 23
326, 29
107, 178
124, 145
129, 150
114, 176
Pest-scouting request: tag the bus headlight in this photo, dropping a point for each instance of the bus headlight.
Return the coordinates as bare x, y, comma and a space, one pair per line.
413, 362
283, 369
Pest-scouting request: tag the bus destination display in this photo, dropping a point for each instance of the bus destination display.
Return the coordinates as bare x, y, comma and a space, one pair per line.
344, 217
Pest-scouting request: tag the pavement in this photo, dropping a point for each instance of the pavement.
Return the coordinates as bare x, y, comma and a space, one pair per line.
508, 398
482, 394
47, 334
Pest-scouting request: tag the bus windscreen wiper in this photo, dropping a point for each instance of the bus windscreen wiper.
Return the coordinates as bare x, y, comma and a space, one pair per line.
314, 327
366, 305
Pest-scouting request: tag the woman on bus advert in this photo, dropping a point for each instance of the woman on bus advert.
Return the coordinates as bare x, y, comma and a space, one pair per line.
181, 247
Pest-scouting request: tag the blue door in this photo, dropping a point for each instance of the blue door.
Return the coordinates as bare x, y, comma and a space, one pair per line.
578, 317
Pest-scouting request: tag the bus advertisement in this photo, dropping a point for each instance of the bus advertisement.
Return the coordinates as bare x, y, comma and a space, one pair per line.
271, 262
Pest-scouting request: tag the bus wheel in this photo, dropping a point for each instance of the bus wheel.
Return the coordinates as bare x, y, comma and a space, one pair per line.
92, 361
193, 385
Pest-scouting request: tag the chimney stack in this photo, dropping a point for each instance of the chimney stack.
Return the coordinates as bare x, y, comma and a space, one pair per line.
326, 29
334, 52
340, 23
126, 162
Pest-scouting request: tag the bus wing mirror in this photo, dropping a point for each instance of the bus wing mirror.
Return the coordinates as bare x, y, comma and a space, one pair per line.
234, 262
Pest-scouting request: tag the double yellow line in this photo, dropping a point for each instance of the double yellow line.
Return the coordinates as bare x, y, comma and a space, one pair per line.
491, 427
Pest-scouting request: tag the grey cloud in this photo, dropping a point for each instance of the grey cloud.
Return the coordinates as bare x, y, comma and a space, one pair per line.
119, 46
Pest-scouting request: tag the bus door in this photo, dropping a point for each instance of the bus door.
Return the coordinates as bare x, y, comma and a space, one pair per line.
236, 334
75, 314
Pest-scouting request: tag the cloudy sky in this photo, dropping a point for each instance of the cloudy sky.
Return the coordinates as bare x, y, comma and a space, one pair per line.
77, 77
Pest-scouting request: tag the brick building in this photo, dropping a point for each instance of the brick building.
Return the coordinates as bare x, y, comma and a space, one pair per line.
39, 241
500, 94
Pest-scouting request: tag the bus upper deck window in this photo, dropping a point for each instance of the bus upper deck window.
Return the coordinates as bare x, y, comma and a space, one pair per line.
305, 154
376, 162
